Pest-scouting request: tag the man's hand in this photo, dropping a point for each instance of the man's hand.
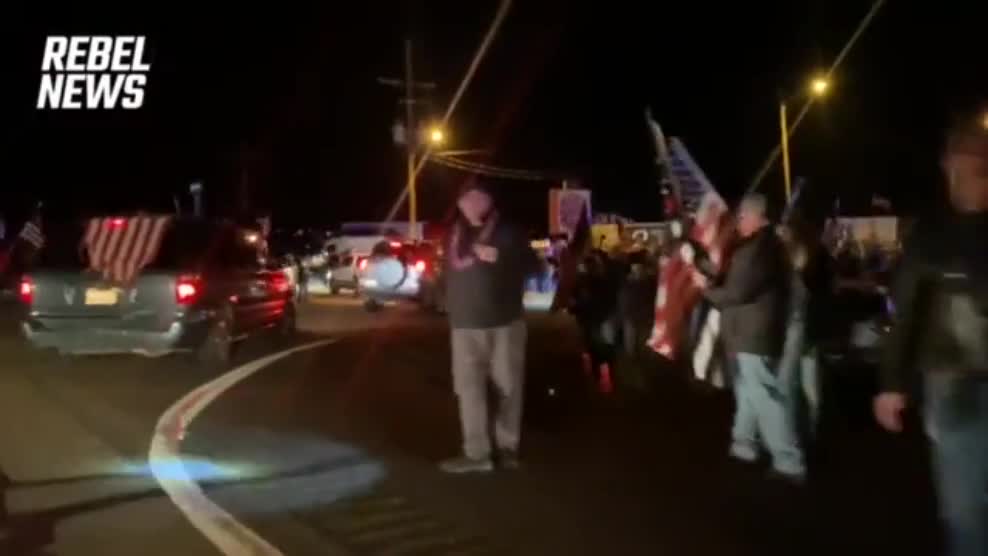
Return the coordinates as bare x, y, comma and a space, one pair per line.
888, 407
485, 253
700, 280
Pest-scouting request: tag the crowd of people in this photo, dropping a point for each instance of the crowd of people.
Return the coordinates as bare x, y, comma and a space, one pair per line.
776, 301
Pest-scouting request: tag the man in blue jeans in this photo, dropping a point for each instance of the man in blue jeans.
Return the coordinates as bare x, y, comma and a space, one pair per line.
940, 336
753, 301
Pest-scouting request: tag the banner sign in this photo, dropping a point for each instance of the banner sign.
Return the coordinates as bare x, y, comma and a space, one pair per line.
606, 236
883, 230
565, 208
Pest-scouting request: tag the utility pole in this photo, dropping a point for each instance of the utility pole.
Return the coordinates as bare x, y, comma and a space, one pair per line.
410, 143
411, 135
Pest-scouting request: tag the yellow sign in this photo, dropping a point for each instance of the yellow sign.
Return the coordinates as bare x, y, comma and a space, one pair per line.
606, 236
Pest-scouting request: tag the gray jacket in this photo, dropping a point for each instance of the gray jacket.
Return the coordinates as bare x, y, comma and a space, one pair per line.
754, 296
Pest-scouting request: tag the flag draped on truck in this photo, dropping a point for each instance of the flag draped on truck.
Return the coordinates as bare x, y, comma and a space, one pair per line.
678, 297
119, 248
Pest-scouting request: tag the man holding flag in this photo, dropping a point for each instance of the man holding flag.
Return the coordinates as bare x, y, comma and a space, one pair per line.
753, 299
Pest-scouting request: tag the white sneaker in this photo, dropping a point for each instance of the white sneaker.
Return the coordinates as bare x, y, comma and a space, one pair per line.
467, 465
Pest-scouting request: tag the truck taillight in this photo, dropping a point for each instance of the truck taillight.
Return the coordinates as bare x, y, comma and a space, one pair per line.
280, 282
187, 290
420, 266
26, 291
362, 264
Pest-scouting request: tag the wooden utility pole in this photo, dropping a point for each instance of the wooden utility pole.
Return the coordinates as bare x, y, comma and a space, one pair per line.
411, 134
410, 143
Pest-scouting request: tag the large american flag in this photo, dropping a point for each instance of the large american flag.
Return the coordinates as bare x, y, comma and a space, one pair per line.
677, 295
119, 248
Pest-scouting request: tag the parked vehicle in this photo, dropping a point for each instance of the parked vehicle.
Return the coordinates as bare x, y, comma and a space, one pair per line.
397, 270
203, 292
343, 273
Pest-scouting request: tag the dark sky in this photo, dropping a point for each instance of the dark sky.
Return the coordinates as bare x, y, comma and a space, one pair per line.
289, 95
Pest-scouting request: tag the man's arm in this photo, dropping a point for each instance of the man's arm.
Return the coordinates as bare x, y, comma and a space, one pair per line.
750, 273
898, 352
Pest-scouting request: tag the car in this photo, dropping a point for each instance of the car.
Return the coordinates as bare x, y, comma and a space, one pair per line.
203, 292
398, 270
343, 273
865, 319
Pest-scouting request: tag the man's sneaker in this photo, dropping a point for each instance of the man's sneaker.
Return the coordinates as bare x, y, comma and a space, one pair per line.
467, 465
509, 459
790, 479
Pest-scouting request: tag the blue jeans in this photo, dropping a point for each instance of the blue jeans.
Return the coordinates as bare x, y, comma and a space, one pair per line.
799, 370
763, 402
956, 416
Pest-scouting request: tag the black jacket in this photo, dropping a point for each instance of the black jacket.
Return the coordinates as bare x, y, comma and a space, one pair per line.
754, 296
940, 300
818, 279
489, 295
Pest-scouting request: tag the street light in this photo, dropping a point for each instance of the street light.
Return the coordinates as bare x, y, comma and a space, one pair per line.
437, 136
818, 88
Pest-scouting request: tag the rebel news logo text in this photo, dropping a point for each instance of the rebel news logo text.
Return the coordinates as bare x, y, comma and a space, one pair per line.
93, 73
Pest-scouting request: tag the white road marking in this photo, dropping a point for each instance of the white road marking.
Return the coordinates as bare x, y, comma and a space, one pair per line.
228, 535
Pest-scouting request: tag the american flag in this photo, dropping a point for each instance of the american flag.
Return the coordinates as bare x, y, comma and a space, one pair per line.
677, 295
32, 235
119, 248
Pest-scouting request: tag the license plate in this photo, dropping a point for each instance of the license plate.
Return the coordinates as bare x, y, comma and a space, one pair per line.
95, 296
368, 283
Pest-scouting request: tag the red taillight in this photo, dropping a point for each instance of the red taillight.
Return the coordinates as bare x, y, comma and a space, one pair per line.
362, 265
116, 223
280, 282
26, 290
395, 244
420, 266
187, 290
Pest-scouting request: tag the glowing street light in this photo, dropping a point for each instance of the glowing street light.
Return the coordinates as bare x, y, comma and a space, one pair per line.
437, 136
819, 86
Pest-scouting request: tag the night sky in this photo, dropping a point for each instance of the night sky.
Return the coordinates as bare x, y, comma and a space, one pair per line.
288, 98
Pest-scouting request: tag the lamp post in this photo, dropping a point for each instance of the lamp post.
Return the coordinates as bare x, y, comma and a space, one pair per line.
818, 88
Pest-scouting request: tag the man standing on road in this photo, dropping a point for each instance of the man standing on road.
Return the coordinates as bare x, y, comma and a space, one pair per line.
752, 299
487, 264
941, 330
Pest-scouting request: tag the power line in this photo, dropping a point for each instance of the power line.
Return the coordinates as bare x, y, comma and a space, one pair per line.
502, 12
774, 155
490, 170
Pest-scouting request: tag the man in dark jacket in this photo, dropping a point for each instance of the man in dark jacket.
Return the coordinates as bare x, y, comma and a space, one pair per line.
753, 300
487, 264
940, 333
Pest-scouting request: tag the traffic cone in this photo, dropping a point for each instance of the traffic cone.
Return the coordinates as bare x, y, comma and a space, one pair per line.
606, 384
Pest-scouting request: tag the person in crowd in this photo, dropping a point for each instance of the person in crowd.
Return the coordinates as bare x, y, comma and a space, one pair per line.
487, 264
810, 302
637, 285
595, 309
302, 275
753, 299
636, 300
939, 340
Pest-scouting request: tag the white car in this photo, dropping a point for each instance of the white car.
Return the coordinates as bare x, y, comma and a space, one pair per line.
343, 273
397, 270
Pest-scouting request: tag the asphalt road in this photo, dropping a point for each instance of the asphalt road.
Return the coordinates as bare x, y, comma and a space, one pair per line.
333, 451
